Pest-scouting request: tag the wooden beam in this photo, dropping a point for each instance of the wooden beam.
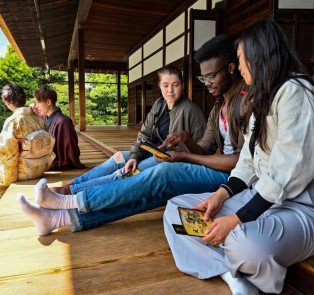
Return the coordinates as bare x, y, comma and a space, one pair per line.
42, 36
129, 105
119, 97
71, 92
191, 54
81, 18
108, 65
10, 38
143, 102
163, 46
81, 69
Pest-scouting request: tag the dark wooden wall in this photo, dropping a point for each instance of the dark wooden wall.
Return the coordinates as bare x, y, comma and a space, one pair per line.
237, 16
131, 104
299, 28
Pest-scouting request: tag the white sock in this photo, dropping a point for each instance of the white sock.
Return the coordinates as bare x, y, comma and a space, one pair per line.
239, 286
48, 199
45, 220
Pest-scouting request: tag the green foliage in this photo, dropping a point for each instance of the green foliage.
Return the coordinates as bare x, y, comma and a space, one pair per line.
102, 91
15, 71
100, 96
63, 102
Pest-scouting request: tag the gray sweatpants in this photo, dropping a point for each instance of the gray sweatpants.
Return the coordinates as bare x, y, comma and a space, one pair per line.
260, 250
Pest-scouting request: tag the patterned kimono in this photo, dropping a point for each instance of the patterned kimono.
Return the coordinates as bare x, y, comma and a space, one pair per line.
15, 128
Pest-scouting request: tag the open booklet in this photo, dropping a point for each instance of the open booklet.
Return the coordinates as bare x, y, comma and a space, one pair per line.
152, 149
193, 223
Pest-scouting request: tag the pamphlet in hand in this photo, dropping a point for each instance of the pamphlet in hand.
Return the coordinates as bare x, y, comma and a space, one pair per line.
131, 173
193, 223
152, 149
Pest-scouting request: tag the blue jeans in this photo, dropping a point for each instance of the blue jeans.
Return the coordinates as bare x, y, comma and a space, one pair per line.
108, 171
144, 191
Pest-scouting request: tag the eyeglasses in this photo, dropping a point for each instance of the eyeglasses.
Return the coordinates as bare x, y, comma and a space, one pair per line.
211, 77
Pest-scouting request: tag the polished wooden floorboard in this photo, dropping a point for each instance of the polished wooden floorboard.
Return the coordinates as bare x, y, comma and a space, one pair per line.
130, 256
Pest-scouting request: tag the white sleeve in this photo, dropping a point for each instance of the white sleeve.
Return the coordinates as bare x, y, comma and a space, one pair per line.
291, 162
245, 166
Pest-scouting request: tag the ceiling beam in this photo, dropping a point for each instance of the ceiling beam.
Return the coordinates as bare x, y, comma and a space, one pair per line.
42, 36
108, 65
81, 18
10, 38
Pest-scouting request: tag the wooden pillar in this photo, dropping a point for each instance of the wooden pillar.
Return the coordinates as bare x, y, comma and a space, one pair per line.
191, 53
135, 104
129, 105
71, 91
119, 97
143, 102
163, 46
81, 69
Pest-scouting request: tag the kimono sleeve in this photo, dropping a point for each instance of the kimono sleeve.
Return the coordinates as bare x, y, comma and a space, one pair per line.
9, 154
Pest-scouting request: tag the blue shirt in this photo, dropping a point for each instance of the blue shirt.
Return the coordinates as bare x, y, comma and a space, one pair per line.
50, 119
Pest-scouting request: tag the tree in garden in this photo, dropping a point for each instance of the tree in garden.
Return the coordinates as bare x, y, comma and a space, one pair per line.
100, 97
104, 94
15, 71
63, 102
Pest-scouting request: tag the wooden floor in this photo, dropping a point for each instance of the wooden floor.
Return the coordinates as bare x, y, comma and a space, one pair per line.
130, 256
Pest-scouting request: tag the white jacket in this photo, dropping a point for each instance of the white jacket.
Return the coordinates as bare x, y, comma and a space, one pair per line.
285, 171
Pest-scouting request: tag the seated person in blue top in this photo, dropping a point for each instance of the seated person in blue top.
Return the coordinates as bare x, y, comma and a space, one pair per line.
204, 171
171, 112
268, 202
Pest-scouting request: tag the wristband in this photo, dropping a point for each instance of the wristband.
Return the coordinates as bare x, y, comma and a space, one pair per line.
228, 189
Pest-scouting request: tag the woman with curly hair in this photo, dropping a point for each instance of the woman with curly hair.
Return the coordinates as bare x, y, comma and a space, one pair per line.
18, 158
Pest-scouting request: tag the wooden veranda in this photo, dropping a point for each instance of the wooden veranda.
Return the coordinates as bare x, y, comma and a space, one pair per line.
130, 256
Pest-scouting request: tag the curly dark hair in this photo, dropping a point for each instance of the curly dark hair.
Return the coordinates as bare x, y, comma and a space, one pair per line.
44, 93
14, 94
217, 47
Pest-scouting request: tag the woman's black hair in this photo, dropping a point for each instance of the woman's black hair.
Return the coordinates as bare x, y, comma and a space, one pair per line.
14, 94
271, 62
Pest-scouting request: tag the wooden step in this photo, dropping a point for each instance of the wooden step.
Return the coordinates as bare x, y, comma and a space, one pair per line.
301, 276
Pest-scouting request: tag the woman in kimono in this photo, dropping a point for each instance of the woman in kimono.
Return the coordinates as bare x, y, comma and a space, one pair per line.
14, 164
268, 202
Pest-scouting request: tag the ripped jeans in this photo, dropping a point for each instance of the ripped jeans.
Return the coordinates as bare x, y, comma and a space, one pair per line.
108, 171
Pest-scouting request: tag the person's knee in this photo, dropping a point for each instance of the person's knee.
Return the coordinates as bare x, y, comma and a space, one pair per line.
242, 253
118, 157
162, 167
160, 172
